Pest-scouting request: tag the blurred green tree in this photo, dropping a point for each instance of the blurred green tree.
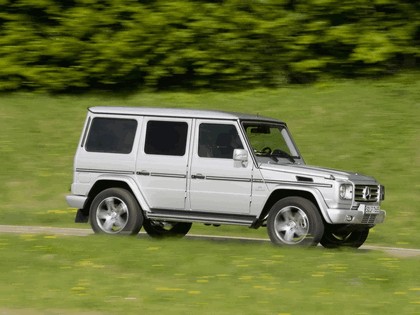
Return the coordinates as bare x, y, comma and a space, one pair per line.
68, 45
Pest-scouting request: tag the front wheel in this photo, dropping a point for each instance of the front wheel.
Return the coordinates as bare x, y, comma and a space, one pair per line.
295, 221
115, 211
160, 229
333, 238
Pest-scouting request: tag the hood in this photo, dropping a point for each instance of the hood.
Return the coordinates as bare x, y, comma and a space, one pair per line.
316, 171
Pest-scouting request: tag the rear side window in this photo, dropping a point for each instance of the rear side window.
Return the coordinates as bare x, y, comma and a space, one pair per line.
166, 138
111, 135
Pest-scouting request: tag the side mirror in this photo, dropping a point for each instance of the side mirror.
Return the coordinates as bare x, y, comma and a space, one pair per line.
240, 155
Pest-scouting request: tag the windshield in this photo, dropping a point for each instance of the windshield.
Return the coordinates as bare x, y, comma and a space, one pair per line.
271, 143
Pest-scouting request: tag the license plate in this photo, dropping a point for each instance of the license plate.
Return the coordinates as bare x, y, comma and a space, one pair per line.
372, 209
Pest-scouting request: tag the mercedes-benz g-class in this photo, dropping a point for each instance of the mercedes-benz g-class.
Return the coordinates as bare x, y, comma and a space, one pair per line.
164, 169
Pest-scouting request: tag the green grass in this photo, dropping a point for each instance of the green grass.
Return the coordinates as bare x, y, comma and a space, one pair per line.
118, 275
371, 127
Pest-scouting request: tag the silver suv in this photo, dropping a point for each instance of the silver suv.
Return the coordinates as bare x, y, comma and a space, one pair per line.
163, 169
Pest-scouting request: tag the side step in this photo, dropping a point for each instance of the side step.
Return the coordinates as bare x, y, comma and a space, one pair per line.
202, 217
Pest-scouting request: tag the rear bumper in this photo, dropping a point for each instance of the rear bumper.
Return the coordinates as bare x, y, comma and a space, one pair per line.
76, 201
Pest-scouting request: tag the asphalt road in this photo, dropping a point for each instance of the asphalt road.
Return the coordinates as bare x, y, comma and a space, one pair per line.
17, 229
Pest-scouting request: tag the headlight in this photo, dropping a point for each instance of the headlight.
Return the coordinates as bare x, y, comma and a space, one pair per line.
346, 191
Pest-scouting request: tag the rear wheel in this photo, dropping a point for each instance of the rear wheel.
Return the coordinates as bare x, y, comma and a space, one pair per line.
115, 211
295, 221
160, 229
334, 238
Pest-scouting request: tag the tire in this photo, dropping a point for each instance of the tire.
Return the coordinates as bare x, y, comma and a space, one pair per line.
115, 211
335, 239
295, 221
161, 229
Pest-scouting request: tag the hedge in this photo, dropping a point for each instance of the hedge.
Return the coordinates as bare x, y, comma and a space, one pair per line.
71, 45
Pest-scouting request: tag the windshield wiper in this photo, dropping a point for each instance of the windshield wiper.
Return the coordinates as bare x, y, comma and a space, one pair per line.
283, 154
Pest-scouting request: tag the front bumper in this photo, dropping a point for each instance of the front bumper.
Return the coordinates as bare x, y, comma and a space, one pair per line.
363, 215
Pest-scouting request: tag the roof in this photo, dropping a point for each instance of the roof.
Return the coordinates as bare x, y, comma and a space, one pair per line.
178, 112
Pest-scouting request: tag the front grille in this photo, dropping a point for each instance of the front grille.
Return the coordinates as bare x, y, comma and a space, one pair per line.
366, 193
369, 219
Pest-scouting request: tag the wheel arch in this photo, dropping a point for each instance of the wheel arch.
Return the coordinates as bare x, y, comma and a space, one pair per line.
104, 183
282, 193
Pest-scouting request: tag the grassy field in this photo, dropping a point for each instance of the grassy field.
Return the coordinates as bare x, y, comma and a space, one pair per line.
116, 275
372, 127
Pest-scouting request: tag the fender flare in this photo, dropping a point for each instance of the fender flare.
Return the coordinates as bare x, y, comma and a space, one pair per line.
314, 192
131, 183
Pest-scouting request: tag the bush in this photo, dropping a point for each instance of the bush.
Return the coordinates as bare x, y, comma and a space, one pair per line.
69, 45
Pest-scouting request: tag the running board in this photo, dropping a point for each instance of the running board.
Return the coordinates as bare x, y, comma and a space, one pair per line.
203, 217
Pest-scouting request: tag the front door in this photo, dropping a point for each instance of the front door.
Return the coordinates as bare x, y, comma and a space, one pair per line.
162, 162
217, 182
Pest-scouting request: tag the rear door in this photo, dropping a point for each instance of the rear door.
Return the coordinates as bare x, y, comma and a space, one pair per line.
217, 182
162, 161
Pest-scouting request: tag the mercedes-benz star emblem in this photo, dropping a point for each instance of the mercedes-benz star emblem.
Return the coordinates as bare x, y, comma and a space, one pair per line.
366, 193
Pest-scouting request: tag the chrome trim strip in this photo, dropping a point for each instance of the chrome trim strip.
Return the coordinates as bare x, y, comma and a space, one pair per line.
280, 182
168, 175
229, 179
86, 170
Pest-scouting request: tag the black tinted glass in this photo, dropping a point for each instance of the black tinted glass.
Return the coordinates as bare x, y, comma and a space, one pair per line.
111, 135
166, 138
218, 141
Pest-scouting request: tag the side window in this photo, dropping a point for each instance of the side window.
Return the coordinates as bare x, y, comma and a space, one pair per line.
218, 141
111, 135
166, 138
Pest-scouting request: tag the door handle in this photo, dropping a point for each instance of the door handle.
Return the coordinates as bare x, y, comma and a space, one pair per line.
198, 176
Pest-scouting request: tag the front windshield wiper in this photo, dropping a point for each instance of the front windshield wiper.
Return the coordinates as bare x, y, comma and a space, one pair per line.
280, 153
